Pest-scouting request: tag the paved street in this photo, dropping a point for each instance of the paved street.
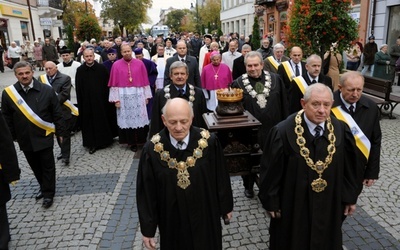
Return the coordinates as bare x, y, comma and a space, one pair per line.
95, 204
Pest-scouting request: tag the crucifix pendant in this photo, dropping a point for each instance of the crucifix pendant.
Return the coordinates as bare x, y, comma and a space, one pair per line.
215, 76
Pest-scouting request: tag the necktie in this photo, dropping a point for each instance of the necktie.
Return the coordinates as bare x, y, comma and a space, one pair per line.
179, 145
279, 61
314, 81
26, 89
297, 70
351, 109
317, 130
181, 92
50, 79
183, 60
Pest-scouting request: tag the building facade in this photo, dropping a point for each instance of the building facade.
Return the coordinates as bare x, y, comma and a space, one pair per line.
22, 20
237, 16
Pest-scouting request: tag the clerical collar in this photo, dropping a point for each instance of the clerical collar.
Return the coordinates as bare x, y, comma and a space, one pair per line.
160, 56
311, 78
67, 64
311, 126
180, 58
89, 65
185, 141
346, 104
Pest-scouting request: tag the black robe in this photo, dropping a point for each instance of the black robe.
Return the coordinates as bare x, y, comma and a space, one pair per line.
97, 114
187, 218
276, 109
199, 108
309, 220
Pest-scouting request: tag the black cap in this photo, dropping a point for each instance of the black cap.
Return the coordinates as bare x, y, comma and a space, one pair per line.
207, 36
65, 51
168, 39
371, 37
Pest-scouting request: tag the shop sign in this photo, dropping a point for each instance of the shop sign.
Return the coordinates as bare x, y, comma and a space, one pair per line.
45, 21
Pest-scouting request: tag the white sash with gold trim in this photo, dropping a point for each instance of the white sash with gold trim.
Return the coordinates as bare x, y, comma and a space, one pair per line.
67, 103
289, 71
273, 61
28, 112
362, 142
301, 83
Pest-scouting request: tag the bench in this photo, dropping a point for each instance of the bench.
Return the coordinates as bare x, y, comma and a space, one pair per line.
380, 91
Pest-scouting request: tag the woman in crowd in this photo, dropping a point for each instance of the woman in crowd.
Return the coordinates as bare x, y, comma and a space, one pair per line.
382, 63
37, 55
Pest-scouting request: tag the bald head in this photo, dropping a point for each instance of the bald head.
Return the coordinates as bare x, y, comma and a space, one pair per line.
51, 68
296, 54
177, 117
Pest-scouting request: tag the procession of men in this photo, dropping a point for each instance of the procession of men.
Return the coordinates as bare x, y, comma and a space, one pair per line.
319, 147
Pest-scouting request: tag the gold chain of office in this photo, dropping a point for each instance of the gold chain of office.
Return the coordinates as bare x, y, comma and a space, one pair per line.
318, 185
182, 166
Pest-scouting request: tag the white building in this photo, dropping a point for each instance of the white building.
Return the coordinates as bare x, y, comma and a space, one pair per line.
237, 16
20, 22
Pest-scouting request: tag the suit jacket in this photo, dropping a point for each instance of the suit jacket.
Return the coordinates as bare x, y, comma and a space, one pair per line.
44, 102
193, 66
270, 68
285, 78
62, 86
238, 67
367, 117
9, 163
295, 94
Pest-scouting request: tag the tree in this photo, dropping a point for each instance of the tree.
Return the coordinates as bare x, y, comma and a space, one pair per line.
129, 13
210, 15
175, 19
314, 25
73, 10
88, 28
255, 38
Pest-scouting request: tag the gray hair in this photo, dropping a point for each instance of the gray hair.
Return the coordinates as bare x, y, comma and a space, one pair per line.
178, 64
278, 46
318, 87
253, 54
246, 46
313, 57
349, 74
22, 64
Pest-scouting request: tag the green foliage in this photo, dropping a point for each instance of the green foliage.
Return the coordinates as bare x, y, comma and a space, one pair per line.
130, 13
88, 28
255, 38
70, 36
315, 24
73, 10
116, 31
175, 18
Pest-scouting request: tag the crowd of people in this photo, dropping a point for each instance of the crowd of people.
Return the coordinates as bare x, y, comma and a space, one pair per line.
151, 93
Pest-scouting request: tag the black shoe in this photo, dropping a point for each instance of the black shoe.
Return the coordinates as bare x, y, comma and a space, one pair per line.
92, 150
134, 148
249, 193
59, 157
65, 161
39, 196
47, 202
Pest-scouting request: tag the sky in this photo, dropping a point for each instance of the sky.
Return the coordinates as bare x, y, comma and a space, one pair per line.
154, 12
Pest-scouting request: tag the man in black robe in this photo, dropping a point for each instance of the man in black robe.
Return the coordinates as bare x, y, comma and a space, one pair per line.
179, 73
98, 116
183, 186
309, 177
267, 103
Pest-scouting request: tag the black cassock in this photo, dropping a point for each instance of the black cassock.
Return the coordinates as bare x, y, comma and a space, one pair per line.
97, 114
199, 108
276, 109
187, 218
309, 220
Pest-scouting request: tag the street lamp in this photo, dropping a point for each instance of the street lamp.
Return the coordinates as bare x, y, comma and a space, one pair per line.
121, 28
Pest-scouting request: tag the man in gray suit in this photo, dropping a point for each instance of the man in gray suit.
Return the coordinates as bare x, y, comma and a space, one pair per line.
191, 62
61, 84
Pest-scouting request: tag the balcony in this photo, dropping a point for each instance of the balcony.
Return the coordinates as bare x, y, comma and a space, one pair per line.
267, 3
49, 8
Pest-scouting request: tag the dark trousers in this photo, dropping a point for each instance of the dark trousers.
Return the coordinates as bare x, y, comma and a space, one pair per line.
44, 169
4, 228
248, 181
65, 146
13, 62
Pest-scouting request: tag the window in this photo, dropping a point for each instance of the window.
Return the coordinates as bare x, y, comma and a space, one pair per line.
24, 30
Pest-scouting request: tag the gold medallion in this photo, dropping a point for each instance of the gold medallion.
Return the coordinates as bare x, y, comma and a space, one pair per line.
319, 185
